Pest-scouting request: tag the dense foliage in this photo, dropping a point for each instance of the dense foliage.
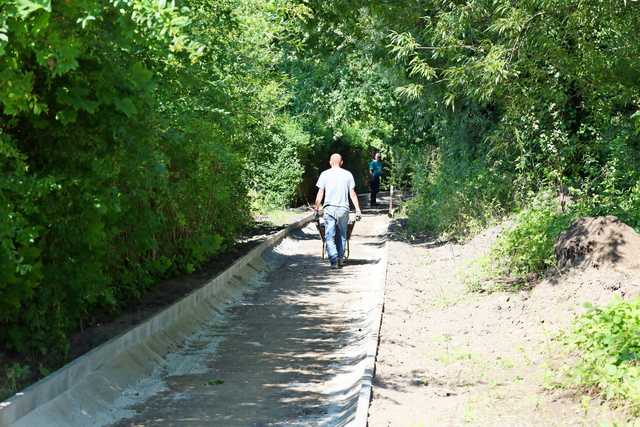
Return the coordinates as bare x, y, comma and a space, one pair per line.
519, 97
125, 129
136, 136
494, 102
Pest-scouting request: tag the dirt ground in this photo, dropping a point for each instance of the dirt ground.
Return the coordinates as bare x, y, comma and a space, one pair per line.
451, 357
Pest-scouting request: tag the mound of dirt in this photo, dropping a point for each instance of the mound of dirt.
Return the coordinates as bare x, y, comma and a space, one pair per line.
601, 242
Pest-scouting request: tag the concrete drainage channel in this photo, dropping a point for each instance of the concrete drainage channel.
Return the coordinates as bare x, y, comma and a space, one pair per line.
276, 339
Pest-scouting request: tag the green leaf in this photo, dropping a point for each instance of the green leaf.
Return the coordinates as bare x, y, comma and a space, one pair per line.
66, 116
126, 106
140, 76
27, 7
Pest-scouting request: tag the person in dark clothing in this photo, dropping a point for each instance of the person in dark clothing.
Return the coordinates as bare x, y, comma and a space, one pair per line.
375, 172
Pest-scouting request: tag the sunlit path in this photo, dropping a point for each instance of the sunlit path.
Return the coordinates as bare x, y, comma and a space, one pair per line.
288, 355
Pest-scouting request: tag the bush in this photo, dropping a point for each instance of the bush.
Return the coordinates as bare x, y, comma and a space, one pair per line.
606, 346
89, 240
120, 163
275, 165
455, 195
528, 246
614, 187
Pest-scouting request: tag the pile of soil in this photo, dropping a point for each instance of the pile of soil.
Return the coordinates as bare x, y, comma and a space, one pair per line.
600, 242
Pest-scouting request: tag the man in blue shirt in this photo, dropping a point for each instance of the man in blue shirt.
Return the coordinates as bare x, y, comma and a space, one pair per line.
375, 172
336, 186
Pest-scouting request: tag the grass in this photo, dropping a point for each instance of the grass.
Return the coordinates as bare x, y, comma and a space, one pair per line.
445, 298
280, 217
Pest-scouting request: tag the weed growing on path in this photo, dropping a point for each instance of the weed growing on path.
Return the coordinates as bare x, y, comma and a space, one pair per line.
605, 346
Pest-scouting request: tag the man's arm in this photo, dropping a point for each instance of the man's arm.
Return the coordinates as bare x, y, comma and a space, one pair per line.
354, 199
319, 198
321, 184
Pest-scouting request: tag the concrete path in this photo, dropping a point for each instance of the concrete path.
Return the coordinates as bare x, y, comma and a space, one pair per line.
291, 353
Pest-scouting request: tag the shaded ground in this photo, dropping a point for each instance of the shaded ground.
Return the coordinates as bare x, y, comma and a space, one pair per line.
448, 357
169, 291
288, 355
19, 371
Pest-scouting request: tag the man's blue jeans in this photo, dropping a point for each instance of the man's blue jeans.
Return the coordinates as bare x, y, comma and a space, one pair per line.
336, 221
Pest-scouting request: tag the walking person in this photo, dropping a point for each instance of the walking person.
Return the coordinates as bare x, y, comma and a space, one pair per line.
336, 185
375, 172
